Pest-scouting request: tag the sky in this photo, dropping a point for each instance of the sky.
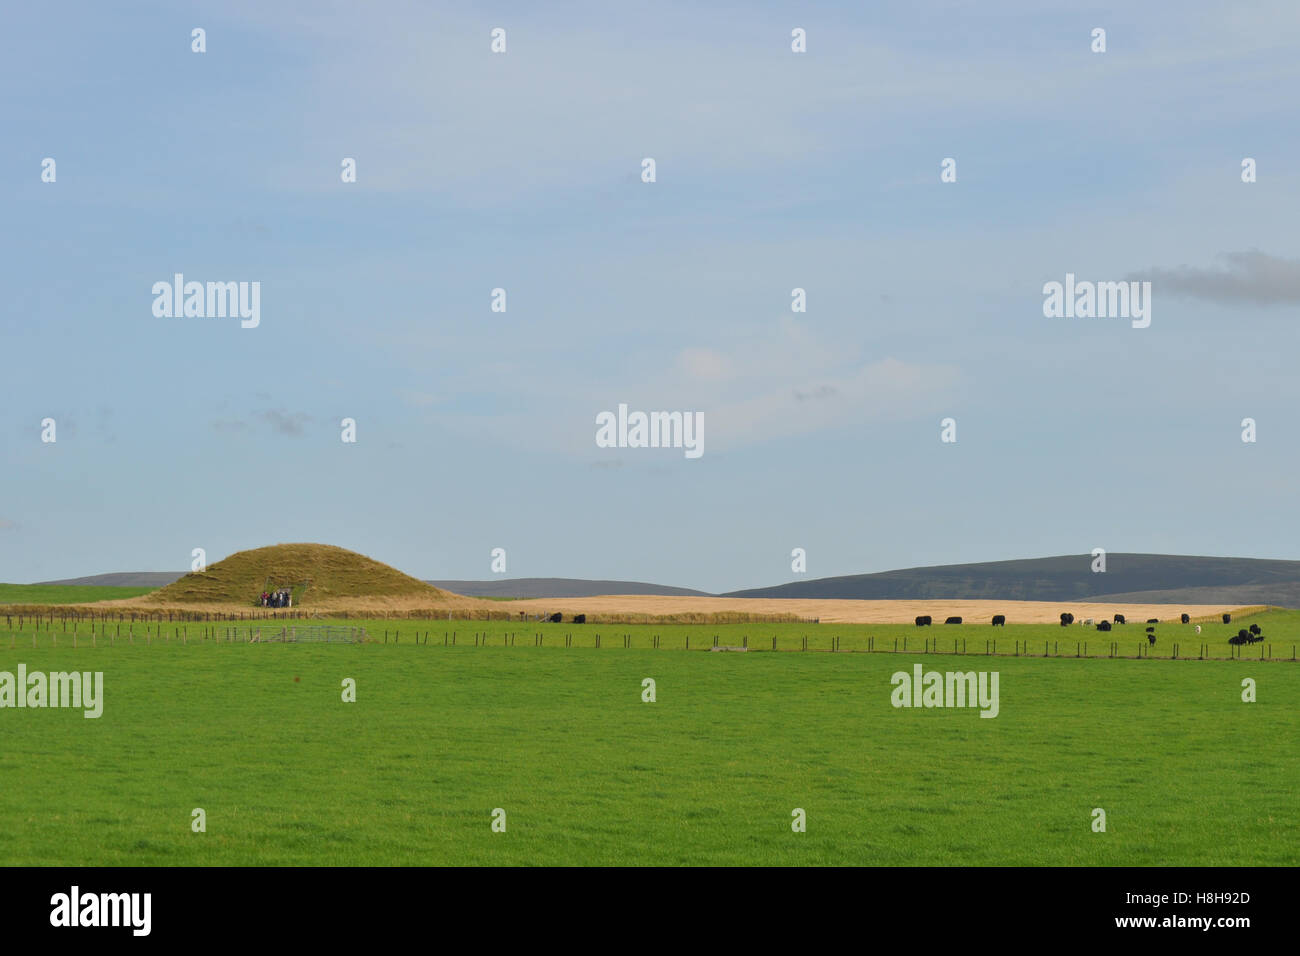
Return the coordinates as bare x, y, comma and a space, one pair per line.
523, 170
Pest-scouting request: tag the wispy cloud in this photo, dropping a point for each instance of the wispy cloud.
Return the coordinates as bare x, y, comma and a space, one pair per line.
1252, 277
284, 423
281, 422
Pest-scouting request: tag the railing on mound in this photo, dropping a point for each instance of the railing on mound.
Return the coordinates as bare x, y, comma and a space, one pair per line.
309, 634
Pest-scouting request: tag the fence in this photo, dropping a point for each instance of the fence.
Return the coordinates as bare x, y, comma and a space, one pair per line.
1115, 650
313, 634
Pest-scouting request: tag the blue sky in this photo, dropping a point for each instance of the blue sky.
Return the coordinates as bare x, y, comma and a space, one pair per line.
775, 170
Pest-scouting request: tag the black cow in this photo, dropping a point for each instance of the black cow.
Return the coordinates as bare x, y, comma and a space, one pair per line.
579, 619
1151, 639
953, 620
999, 620
1186, 619
1227, 619
1150, 630
1153, 620
1241, 637
1119, 619
554, 619
1066, 618
922, 620
1104, 626
1254, 629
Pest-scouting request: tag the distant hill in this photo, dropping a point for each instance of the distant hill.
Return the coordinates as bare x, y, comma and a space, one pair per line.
1278, 595
1129, 578
1132, 577
122, 579
557, 588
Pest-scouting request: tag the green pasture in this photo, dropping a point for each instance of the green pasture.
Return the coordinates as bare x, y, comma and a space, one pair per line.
558, 737
1280, 630
64, 593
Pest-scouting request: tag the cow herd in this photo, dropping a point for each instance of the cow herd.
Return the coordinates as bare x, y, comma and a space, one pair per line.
1249, 635
557, 618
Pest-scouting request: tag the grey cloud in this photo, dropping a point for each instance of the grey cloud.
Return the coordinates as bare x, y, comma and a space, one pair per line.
281, 422
1248, 277
821, 391
284, 423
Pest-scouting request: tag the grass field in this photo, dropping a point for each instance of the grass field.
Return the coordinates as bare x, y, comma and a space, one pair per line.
587, 773
1281, 629
64, 594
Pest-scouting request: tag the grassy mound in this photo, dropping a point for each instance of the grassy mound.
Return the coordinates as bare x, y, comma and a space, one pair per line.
317, 574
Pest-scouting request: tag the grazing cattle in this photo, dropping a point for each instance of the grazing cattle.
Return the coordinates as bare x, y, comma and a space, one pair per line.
1150, 629
1198, 629
1088, 622
1151, 639
953, 620
579, 619
1239, 638
1186, 619
923, 620
1066, 618
1104, 626
1153, 620
1227, 619
1119, 619
554, 619
1254, 629
999, 620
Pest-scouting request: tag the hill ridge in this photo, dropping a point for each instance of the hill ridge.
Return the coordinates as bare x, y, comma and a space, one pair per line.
1130, 576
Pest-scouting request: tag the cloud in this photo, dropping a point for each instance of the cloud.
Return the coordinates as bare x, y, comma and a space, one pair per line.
281, 422
883, 390
284, 423
418, 399
821, 391
705, 364
1252, 277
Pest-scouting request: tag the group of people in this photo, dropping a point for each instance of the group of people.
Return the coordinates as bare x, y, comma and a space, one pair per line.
280, 598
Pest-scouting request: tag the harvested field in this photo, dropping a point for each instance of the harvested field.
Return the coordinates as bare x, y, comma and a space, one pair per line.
638, 606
